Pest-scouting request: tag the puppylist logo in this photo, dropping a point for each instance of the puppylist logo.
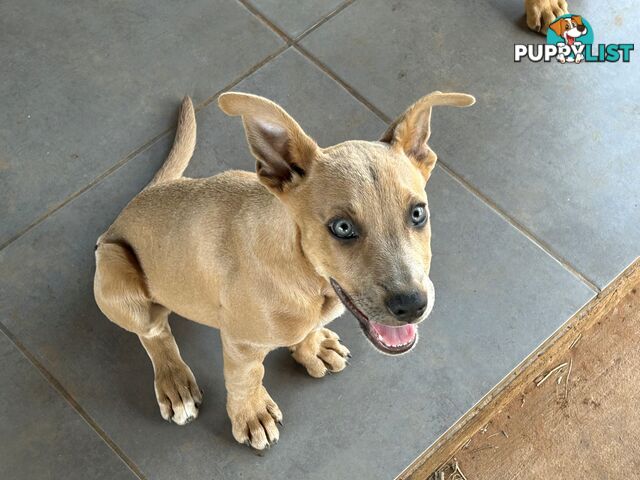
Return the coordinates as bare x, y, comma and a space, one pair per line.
570, 40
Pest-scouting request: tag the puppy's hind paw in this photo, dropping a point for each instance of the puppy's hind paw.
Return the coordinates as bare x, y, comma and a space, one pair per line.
321, 353
540, 13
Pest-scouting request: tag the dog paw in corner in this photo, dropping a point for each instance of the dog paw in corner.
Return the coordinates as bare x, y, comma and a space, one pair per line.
540, 13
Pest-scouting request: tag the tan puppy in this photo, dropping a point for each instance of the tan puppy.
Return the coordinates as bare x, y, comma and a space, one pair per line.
270, 258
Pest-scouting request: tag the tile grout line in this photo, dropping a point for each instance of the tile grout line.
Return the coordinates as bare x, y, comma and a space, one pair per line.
293, 40
361, 98
285, 36
264, 19
59, 388
137, 151
323, 20
206, 102
543, 245
88, 186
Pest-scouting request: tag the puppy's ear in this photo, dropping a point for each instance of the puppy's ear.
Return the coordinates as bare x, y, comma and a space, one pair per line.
282, 149
411, 131
577, 19
558, 26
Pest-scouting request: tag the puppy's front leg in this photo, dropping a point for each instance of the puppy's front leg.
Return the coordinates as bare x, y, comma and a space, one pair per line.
252, 411
321, 352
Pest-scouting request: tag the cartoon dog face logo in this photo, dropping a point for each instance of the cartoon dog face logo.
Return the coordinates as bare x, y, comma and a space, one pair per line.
569, 28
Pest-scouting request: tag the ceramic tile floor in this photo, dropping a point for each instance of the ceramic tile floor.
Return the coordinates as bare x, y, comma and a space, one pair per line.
530, 218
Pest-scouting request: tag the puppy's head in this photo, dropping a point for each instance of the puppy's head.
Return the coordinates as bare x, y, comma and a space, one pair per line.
361, 209
569, 27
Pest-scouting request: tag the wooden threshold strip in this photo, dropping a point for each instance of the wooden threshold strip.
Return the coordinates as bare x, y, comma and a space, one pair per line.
546, 356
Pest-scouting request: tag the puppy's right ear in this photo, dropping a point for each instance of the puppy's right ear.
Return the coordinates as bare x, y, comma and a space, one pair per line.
282, 150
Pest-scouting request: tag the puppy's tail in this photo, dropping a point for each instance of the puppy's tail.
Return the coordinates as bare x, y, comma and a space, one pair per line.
183, 146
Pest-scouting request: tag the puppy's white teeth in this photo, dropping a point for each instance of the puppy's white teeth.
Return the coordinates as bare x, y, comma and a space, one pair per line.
391, 344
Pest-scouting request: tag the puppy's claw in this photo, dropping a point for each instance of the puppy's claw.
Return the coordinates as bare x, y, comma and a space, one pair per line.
279, 422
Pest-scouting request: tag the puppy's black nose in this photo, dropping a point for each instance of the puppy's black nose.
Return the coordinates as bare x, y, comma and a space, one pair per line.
581, 28
407, 306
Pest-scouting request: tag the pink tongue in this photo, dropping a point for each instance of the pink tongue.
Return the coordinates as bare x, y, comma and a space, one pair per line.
395, 336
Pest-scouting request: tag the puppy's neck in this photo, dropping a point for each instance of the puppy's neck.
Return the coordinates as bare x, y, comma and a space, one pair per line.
278, 245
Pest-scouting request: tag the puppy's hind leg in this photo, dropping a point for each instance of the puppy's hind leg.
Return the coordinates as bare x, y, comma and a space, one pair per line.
121, 293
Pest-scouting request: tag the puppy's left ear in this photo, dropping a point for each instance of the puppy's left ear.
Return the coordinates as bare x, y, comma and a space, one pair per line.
282, 150
577, 19
411, 131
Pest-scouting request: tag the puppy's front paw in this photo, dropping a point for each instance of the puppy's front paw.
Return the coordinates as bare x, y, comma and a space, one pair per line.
540, 13
321, 352
178, 394
253, 420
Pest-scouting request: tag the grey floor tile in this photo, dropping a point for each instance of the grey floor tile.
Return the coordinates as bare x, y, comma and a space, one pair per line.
85, 84
556, 146
498, 297
42, 437
295, 17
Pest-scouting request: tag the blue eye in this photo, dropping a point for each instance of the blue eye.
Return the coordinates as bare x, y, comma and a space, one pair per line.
419, 215
343, 229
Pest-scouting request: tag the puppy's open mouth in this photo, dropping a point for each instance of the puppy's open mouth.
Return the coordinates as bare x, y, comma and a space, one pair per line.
387, 339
